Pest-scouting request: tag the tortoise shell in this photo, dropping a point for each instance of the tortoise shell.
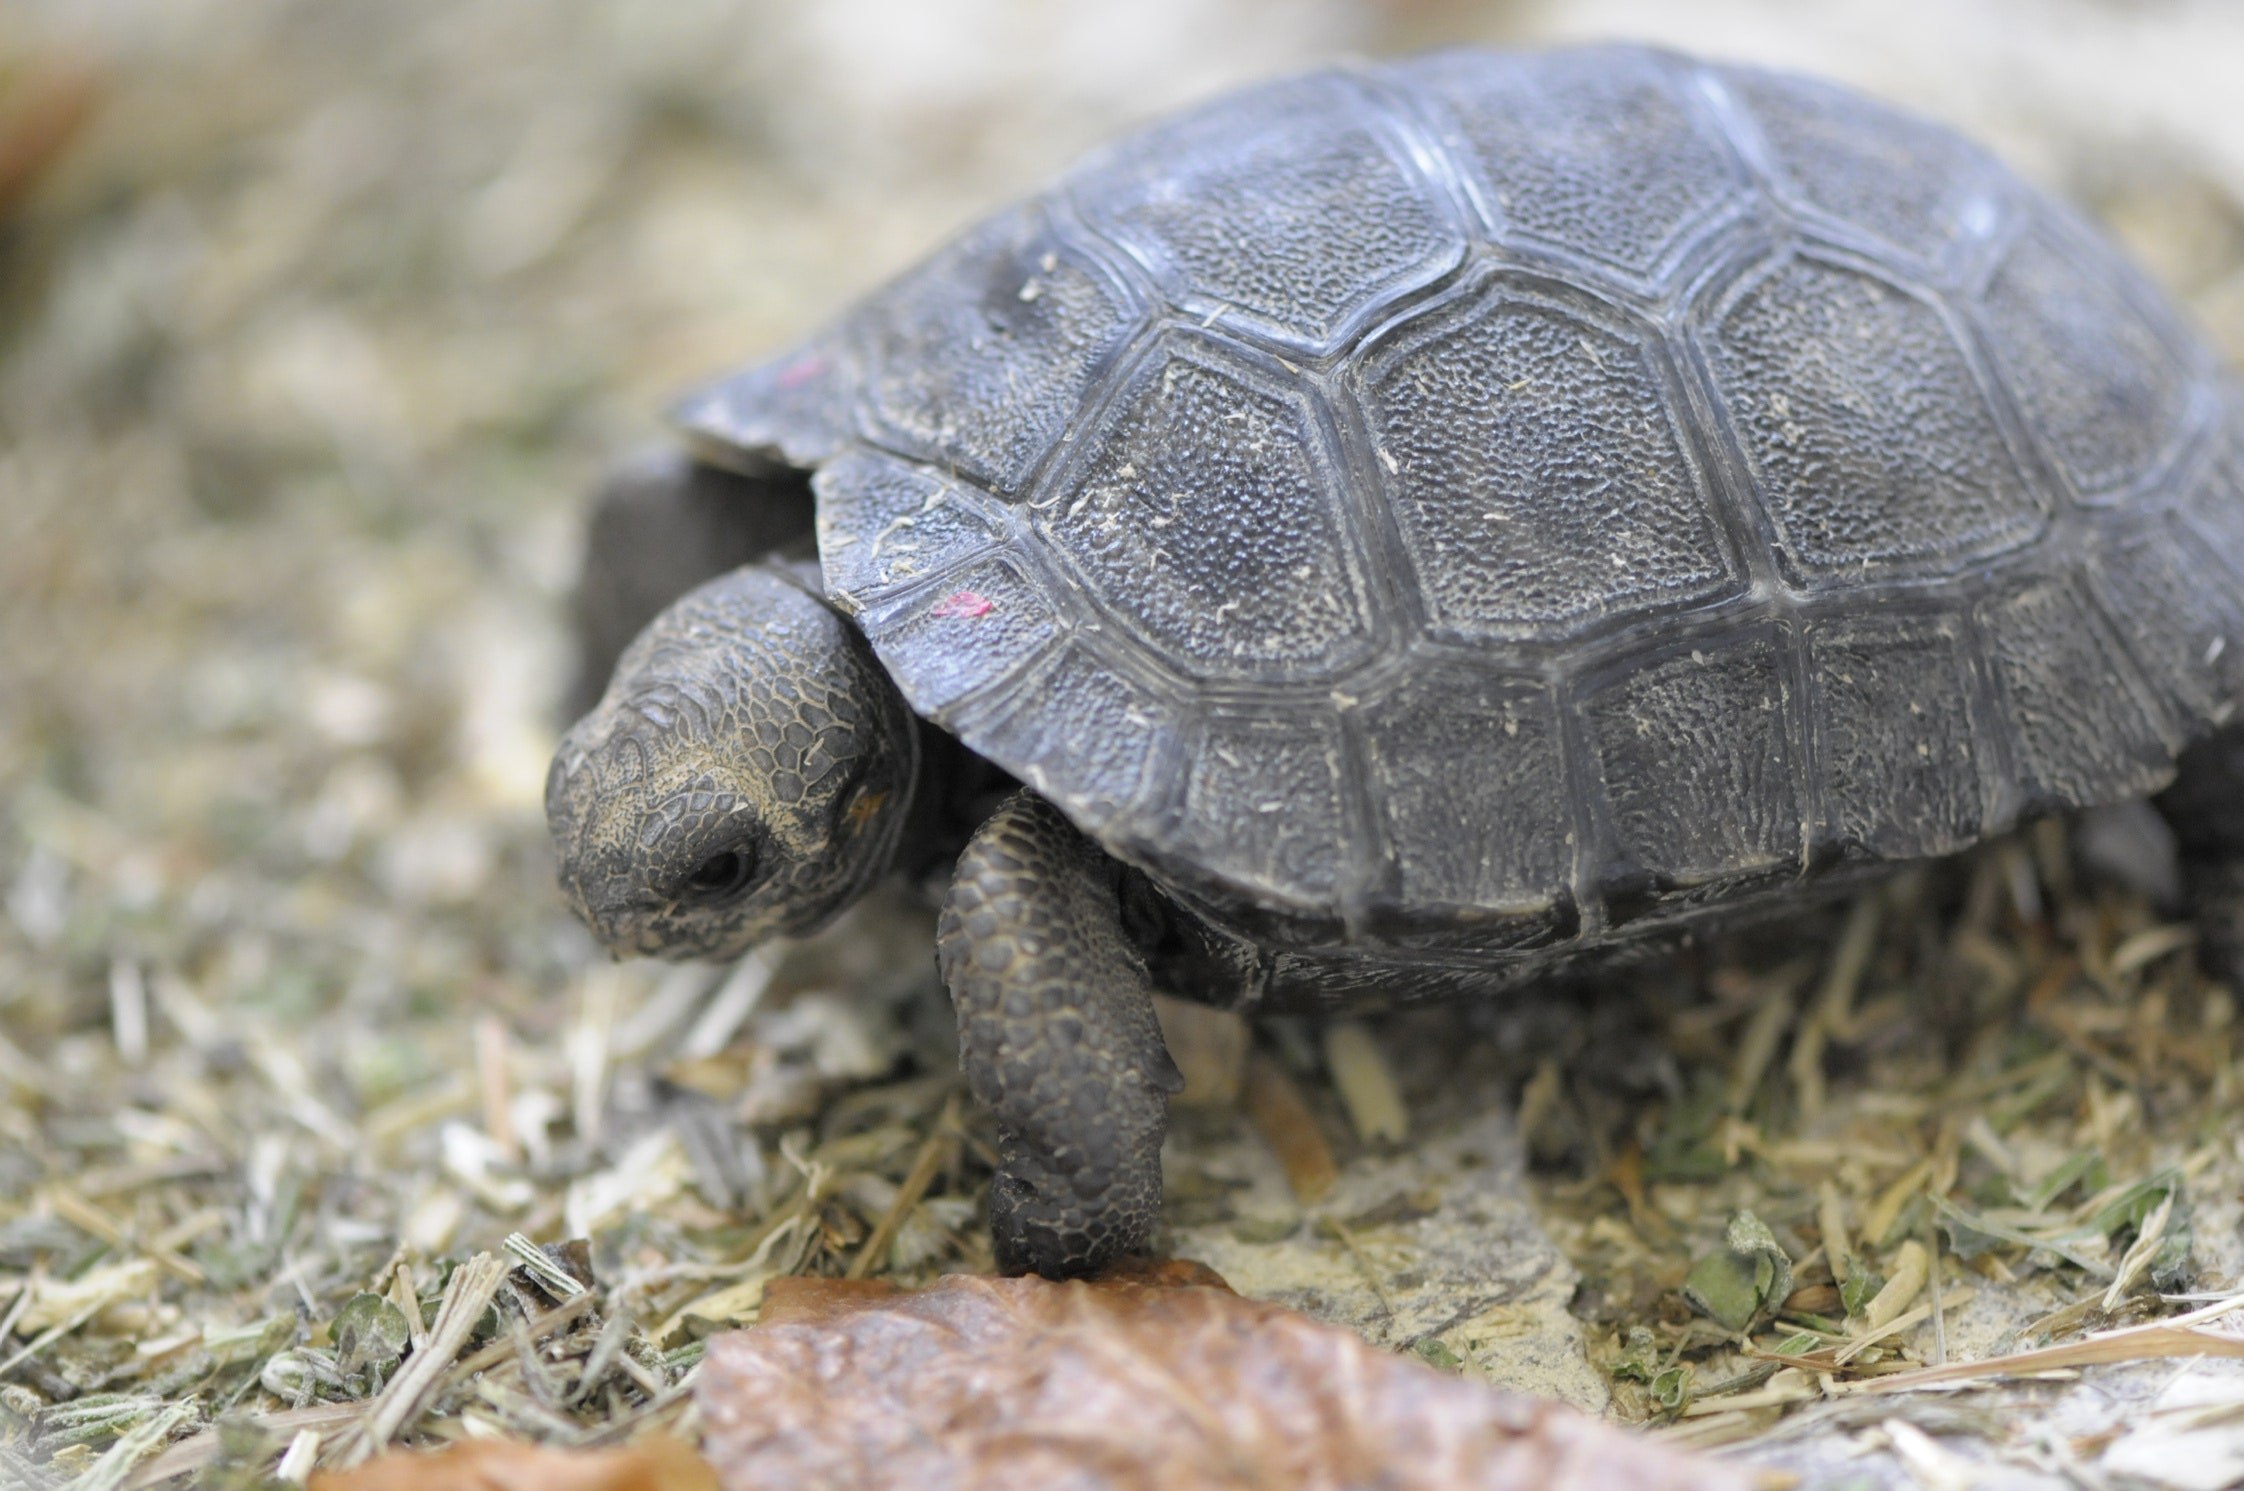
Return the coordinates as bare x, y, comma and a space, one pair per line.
1503, 498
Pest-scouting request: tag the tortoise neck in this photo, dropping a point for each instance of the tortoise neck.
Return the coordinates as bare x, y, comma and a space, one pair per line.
956, 790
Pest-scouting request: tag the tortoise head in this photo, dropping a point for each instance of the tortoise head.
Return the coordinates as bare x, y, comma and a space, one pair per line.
746, 775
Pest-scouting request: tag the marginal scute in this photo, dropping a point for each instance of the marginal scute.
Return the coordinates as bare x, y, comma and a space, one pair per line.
1897, 767
883, 524
945, 641
1203, 513
790, 411
1088, 735
1262, 805
1871, 444
981, 357
1922, 188
1291, 204
2184, 615
2078, 736
2213, 502
1599, 153
1695, 767
1468, 776
2097, 380
1536, 476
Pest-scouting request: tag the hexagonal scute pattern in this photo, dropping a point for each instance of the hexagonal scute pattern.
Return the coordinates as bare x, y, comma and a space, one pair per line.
1468, 776
1202, 513
1872, 446
2098, 382
982, 356
1536, 479
1695, 767
2078, 735
1897, 766
1922, 188
883, 524
1296, 206
1600, 153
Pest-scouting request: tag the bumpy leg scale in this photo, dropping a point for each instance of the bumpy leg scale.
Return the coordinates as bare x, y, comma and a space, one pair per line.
1059, 1041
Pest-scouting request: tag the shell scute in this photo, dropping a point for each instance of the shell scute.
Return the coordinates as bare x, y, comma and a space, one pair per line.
1696, 765
1897, 757
2098, 379
1601, 154
1203, 511
1295, 209
1870, 439
1536, 475
1471, 780
1915, 185
980, 359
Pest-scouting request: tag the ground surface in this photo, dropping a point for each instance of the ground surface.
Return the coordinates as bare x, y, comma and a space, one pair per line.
306, 352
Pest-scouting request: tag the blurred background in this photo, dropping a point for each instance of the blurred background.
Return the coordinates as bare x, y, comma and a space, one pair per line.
318, 319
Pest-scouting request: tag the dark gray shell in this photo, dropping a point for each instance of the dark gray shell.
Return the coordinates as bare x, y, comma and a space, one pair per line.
1489, 499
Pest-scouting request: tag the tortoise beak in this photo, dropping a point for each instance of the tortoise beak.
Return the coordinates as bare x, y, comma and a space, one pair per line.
570, 799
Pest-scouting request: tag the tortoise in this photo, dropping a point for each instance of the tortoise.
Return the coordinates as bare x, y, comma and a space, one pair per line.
1410, 530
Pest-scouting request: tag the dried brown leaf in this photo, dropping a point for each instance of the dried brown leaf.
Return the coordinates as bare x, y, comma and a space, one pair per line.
1209, 1047
984, 1384
40, 126
1282, 1115
655, 1464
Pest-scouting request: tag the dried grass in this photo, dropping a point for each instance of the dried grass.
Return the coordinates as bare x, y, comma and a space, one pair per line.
309, 350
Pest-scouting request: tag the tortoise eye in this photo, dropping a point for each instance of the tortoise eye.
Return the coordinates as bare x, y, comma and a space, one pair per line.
720, 875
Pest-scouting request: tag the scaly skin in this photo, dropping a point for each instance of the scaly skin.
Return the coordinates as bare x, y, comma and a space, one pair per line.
1059, 1041
748, 720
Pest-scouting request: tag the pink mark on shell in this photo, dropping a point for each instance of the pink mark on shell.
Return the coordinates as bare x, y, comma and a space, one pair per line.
963, 605
796, 374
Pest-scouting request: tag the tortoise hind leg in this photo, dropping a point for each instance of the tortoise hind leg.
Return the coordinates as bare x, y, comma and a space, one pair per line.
1058, 1039
661, 524
2205, 807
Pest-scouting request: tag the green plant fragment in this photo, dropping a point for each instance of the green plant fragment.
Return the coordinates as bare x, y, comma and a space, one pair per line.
1749, 1275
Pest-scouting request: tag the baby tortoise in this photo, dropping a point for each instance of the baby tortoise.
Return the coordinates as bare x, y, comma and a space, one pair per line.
1409, 529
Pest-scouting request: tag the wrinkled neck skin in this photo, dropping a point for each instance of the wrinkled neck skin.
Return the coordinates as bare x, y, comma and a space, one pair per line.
749, 773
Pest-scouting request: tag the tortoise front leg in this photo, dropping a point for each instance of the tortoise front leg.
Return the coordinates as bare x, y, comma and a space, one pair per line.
1058, 1039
